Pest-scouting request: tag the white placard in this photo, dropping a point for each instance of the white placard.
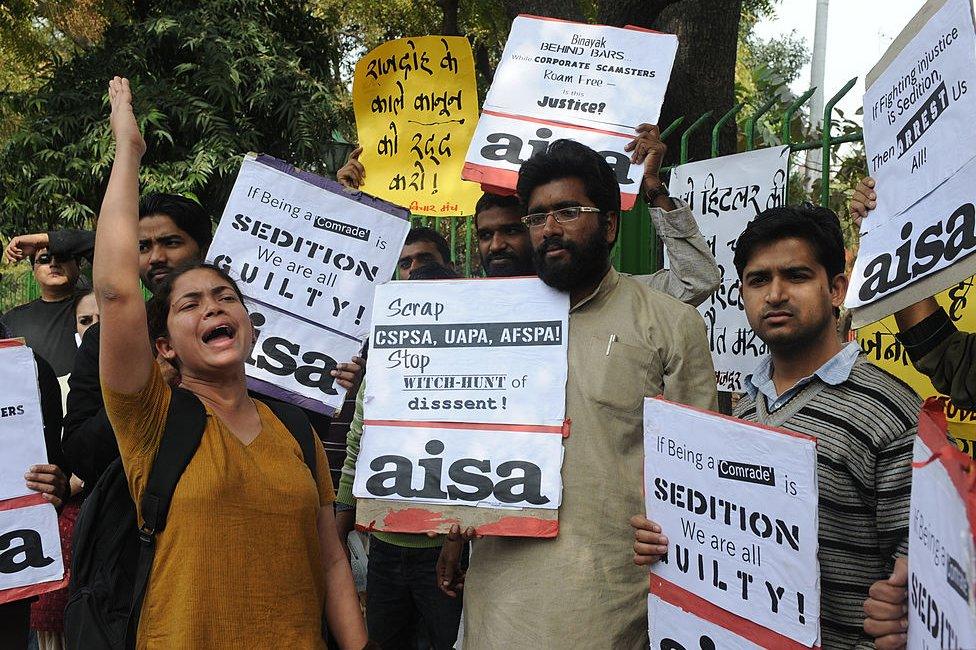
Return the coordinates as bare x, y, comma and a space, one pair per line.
725, 194
588, 75
919, 108
302, 245
933, 235
30, 547
941, 560
502, 143
672, 628
21, 424
500, 468
738, 503
292, 359
483, 350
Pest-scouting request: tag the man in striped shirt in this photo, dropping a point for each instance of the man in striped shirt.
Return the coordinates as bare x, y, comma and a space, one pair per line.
791, 264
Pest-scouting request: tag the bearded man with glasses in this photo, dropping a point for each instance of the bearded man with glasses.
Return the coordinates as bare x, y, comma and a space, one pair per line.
626, 342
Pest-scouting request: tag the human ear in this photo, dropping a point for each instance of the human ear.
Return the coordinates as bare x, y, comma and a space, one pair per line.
164, 349
838, 289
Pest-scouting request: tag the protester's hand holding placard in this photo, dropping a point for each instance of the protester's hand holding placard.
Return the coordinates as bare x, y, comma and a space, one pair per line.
308, 256
942, 555
416, 105
882, 348
738, 503
918, 113
725, 194
464, 408
30, 542
559, 79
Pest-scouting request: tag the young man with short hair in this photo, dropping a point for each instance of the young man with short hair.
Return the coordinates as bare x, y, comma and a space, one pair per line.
791, 264
423, 246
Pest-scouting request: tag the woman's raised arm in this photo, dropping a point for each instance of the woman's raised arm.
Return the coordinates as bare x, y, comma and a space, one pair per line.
125, 358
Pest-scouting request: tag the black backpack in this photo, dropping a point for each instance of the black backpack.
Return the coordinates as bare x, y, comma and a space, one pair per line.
112, 555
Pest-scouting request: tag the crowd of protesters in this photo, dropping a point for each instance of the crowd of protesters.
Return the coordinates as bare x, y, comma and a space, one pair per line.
110, 365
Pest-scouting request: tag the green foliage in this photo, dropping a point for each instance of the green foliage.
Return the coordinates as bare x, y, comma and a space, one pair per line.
212, 80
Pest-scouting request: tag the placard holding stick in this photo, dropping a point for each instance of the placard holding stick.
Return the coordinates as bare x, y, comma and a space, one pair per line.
739, 504
308, 256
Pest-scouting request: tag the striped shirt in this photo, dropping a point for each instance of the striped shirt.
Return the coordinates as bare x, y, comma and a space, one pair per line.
865, 428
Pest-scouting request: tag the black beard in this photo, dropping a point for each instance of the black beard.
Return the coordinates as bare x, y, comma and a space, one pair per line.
586, 265
518, 267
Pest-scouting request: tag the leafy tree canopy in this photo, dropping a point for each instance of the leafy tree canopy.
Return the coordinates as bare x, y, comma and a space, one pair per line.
213, 79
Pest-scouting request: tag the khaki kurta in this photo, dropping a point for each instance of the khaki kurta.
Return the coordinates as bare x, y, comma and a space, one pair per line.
582, 589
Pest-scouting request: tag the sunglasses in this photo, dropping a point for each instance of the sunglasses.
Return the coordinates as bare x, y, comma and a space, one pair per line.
47, 258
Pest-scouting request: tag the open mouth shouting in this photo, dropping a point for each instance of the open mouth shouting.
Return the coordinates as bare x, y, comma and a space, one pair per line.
220, 335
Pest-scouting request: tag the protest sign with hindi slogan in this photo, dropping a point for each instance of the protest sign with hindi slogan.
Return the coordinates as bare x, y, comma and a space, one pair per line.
738, 503
725, 194
30, 542
464, 408
882, 348
559, 79
416, 105
921, 150
308, 256
942, 556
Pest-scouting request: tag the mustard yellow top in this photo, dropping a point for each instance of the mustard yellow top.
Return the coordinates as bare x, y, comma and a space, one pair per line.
239, 563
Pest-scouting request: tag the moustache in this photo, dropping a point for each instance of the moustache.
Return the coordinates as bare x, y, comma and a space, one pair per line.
553, 243
502, 256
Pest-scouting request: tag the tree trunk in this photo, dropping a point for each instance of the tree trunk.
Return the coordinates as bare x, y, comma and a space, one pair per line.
449, 25
703, 78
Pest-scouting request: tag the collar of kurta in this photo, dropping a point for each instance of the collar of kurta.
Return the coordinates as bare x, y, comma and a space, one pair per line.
607, 284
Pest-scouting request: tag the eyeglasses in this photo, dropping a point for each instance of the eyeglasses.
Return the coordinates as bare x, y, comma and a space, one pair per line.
563, 215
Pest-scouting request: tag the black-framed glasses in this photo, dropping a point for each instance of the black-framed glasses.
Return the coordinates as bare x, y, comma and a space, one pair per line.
563, 215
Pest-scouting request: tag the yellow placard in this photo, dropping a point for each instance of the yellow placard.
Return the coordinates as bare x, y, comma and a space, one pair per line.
416, 105
879, 343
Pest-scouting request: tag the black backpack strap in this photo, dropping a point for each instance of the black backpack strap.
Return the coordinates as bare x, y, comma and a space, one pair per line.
185, 421
298, 425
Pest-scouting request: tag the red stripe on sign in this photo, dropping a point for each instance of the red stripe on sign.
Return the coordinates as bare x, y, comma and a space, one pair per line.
34, 499
675, 595
12, 343
422, 520
539, 120
20, 593
517, 428
644, 29
493, 179
785, 432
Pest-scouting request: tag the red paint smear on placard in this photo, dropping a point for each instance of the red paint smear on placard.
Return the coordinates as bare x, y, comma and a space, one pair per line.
689, 602
421, 520
19, 593
520, 527
415, 520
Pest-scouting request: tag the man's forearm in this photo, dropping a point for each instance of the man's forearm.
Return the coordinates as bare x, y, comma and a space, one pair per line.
915, 314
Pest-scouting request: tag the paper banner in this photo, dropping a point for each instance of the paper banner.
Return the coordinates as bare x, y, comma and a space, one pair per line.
416, 105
